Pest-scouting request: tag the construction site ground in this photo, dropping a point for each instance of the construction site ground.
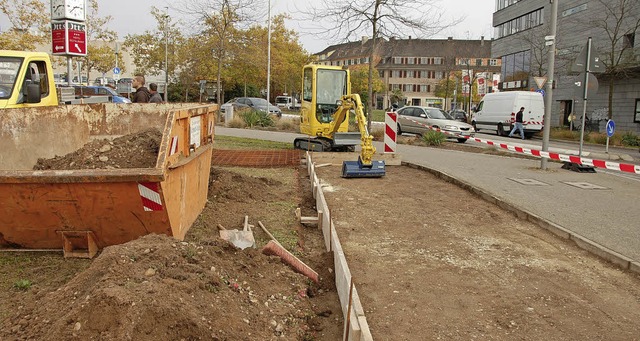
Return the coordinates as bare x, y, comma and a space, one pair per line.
430, 261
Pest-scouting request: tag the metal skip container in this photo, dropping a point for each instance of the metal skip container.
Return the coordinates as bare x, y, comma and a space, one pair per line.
82, 211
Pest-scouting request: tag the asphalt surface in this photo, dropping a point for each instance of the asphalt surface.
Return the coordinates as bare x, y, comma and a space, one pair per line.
601, 209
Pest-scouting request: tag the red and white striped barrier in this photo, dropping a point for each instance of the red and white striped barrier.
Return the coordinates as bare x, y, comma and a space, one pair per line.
390, 132
622, 167
150, 195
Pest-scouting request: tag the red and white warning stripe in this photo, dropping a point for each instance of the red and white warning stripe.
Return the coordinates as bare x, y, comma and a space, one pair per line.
390, 132
150, 194
622, 167
174, 145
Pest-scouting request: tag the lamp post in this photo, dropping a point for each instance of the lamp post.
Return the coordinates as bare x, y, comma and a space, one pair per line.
269, 57
166, 55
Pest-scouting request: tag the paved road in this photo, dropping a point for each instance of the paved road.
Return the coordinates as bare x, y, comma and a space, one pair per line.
608, 214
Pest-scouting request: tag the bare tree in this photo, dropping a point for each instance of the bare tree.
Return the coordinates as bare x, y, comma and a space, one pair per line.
619, 20
220, 19
378, 18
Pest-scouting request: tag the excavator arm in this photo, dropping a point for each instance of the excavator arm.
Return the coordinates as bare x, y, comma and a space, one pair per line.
352, 102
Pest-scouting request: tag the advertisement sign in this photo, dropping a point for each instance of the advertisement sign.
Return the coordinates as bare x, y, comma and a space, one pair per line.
482, 84
496, 81
68, 38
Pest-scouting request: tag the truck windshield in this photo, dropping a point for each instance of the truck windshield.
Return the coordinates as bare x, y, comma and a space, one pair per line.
282, 100
331, 86
9, 67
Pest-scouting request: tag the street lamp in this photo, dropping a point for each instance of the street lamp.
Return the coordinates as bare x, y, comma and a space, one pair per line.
166, 55
269, 57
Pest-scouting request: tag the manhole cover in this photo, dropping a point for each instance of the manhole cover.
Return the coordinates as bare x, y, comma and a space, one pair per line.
529, 182
584, 185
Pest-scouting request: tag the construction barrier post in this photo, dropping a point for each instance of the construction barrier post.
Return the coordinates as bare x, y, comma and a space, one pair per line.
390, 132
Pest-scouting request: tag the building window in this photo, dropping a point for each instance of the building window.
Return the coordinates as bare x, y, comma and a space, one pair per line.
636, 118
516, 66
629, 40
411, 60
478, 62
464, 61
397, 60
493, 62
524, 22
438, 60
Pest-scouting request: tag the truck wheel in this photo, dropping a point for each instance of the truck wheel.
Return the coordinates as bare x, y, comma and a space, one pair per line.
460, 140
528, 135
474, 126
500, 130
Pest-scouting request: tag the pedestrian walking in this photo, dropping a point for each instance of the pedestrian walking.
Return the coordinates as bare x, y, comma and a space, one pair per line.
518, 124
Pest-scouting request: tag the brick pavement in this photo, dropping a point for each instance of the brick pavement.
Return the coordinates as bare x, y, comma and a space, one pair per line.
257, 158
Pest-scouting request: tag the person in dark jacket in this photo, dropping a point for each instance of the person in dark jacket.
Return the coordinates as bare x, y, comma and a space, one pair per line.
518, 124
155, 96
142, 94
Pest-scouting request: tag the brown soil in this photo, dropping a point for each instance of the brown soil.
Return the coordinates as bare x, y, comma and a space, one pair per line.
431, 261
139, 150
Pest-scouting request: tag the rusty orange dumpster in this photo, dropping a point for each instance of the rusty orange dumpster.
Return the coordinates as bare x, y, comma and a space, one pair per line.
81, 211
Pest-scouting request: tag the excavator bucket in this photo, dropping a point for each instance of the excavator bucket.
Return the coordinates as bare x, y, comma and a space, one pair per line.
356, 169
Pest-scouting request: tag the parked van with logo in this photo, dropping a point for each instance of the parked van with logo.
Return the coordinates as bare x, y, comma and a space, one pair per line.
497, 112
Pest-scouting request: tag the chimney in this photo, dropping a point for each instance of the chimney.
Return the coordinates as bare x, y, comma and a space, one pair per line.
364, 39
481, 40
409, 37
450, 38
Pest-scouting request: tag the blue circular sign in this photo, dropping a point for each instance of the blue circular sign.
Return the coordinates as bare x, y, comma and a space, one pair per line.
611, 128
116, 70
540, 91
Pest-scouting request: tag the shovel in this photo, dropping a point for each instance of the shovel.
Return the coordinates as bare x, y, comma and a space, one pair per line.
240, 239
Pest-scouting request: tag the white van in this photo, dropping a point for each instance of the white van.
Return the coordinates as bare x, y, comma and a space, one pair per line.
288, 102
497, 112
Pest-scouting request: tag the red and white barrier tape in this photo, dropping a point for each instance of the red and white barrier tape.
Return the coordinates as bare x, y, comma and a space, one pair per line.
622, 167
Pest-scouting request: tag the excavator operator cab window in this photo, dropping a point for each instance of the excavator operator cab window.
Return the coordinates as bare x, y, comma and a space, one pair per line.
331, 85
9, 67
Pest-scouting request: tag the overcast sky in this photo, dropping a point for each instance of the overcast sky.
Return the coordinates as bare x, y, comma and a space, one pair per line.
132, 16
477, 13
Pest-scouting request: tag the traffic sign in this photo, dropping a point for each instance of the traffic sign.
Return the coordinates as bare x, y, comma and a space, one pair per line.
611, 128
116, 70
541, 91
540, 81
68, 38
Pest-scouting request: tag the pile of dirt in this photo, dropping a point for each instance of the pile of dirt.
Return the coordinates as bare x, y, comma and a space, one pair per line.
158, 288
137, 150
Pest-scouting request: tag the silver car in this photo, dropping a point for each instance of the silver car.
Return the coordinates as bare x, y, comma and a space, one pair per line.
251, 102
419, 120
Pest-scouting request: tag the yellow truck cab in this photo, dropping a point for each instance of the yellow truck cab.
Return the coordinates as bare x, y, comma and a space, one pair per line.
26, 80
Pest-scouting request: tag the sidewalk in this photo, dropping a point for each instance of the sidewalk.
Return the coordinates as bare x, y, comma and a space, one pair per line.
602, 208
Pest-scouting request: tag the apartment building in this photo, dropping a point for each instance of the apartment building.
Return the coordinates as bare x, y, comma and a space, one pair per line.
415, 66
519, 42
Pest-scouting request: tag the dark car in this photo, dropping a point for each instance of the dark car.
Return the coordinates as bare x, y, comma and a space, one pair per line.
459, 115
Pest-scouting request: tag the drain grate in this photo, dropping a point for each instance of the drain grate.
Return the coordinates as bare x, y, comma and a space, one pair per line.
529, 182
584, 185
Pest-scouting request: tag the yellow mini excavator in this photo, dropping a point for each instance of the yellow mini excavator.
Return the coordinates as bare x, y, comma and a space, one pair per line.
327, 103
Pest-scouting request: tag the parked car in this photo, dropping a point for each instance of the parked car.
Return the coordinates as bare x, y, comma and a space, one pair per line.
251, 102
418, 120
459, 115
95, 90
103, 81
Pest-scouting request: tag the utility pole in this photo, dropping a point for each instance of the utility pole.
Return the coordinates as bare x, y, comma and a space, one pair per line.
166, 55
548, 97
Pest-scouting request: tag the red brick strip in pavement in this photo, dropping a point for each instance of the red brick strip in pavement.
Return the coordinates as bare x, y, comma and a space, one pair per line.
257, 158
